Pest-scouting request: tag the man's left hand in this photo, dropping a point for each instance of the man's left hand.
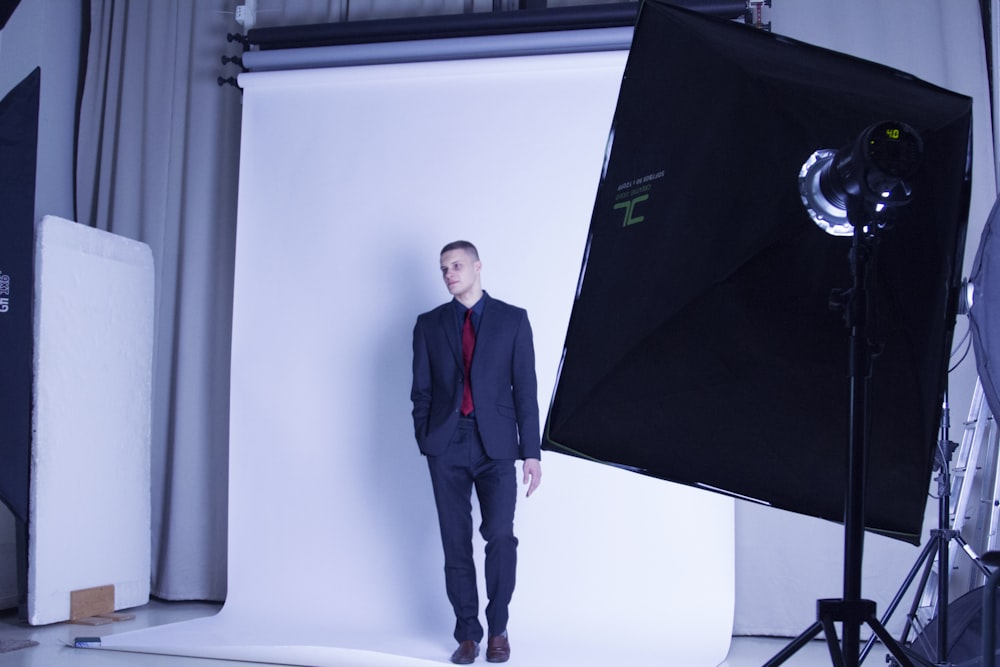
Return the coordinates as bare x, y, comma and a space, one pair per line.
532, 475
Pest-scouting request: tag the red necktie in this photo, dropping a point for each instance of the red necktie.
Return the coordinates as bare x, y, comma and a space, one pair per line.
468, 345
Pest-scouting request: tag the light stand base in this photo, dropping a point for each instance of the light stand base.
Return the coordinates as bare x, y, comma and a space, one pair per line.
940, 538
851, 612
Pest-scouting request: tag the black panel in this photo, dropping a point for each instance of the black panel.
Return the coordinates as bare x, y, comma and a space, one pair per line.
18, 150
7, 8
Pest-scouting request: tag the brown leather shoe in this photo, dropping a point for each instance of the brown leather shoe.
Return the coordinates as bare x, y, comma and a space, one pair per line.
466, 653
497, 649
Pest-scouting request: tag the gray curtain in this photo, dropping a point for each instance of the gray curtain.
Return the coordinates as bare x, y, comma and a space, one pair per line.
158, 156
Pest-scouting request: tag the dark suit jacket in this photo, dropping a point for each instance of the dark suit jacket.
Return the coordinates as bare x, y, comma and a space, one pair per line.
504, 388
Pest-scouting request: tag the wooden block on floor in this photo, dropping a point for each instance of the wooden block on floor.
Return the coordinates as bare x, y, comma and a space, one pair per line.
88, 602
118, 617
91, 620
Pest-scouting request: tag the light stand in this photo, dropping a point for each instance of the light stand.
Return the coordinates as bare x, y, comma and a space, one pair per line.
860, 181
939, 544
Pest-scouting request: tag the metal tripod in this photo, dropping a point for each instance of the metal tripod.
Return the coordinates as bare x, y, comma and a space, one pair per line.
947, 537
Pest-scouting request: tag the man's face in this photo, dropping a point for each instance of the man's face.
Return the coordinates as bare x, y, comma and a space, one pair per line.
460, 272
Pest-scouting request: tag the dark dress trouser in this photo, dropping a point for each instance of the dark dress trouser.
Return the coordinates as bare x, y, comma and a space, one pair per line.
465, 465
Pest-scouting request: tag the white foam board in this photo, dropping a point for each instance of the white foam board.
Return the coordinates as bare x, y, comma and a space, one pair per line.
89, 518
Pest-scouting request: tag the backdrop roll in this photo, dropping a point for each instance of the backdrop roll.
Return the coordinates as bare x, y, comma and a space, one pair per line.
351, 182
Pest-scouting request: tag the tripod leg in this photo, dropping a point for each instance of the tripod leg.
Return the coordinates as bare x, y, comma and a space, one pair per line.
795, 645
928, 552
894, 648
911, 617
836, 654
976, 560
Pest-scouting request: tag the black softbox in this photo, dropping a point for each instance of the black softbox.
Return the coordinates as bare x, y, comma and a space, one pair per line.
702, 347
18, 150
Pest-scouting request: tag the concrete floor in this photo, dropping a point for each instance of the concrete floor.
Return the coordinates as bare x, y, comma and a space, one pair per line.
55, 641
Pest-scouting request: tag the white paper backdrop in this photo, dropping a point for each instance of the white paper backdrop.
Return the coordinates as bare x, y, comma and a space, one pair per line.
351, 181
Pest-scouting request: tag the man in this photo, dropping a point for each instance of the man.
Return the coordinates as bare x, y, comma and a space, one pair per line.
475, 411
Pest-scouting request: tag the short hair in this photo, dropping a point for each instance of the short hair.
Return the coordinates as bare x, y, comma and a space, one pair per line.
462, 245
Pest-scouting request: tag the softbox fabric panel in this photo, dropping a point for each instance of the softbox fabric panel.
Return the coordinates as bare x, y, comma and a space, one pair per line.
18, 150
984, 314
702, 347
